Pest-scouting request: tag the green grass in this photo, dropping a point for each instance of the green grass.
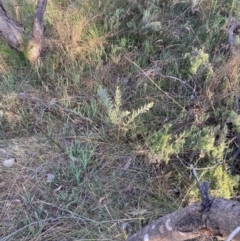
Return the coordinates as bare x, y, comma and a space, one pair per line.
85, 116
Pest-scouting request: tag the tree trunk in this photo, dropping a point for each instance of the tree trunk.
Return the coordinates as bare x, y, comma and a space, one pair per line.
16, 37
190, 222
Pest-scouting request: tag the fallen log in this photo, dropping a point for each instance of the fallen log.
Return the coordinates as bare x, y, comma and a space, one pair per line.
190, 222
213, 217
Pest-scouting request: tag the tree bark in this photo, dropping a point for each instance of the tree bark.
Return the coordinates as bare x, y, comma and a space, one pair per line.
16, 37
190, 222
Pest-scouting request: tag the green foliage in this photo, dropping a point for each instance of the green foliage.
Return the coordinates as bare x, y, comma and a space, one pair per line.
203, 141
160, 51
164, 143
147, 20
234, 118
233, 7
223, 182
11, 56
80, 155
197, 59
117, 116
141, 24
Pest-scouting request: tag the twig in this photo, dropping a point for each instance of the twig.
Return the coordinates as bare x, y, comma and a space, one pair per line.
203, 189
181, 81
233, 233
195, 174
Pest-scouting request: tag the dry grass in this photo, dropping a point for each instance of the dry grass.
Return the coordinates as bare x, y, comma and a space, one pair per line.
60, 210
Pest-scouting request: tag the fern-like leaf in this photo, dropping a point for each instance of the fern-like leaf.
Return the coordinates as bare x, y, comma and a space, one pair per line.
118, 99
105, 99
139, 111
115, 114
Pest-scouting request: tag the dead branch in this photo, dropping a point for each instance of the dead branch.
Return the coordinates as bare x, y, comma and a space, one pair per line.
35, 44
11, 31
187, 223
234, 233
16, 37
231, 30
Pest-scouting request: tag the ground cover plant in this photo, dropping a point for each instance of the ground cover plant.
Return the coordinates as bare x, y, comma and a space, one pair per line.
96, 139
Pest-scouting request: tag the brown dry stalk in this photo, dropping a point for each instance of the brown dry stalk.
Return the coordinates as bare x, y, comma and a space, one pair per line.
229, 69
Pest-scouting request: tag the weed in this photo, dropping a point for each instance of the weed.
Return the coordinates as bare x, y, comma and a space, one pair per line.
161, 145
197, 59
121, 119
223, 183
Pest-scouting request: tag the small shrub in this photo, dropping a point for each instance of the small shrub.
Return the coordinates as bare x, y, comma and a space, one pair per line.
223, 182
163, 143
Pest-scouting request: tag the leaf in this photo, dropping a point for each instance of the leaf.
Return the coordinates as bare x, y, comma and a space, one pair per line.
118, 99
9, 162
139, 111
105, 98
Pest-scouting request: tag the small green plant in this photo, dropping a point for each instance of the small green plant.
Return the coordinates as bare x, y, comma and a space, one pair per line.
162, 144
80, 156
203, 141
121, 118
223, 182
234, 118
197, 59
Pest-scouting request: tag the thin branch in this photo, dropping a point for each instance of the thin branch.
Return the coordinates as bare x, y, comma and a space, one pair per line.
203, 189
195, 174
233, 233
181, 81
35, 44
38, 20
